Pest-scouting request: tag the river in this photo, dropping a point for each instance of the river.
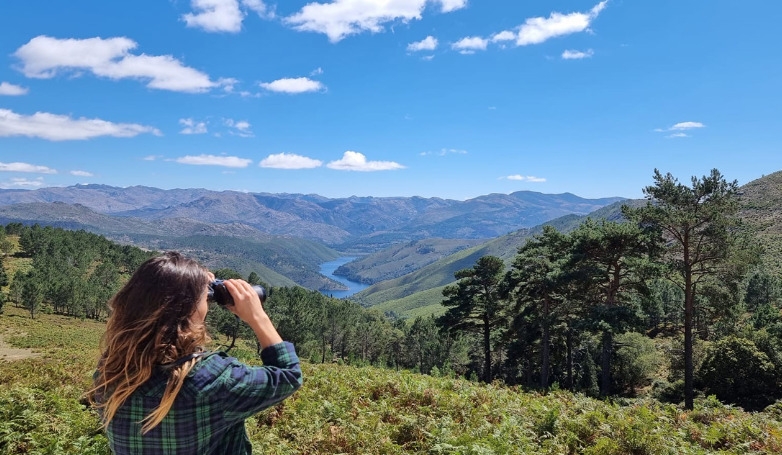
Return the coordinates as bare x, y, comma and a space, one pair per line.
328, 268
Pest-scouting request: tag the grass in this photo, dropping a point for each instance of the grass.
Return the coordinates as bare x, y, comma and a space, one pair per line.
424, 303
11, 263
367, 410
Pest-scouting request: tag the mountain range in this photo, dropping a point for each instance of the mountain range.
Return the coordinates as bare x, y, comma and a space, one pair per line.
284, 237
353, 224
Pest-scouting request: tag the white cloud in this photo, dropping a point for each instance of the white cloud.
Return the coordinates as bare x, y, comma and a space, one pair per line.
536, 30
289, 161
224, 15
316, 72
44, 57
427, 44
26, 167
470, 44
260, 8
503, 36
227, 83
528, 178
22, 183
240, 128
152, 157
214, 160
687, 126
355, 161
215, 15
55, 127
82, 173
342, 18
452, 5
445, 151
11, 89
293, 85
577, 55
679, 129
192, 127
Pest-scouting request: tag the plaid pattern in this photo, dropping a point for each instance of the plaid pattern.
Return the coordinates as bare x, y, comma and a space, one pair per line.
208, 414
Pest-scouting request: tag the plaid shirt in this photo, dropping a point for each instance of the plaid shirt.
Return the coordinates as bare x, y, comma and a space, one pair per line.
208, 414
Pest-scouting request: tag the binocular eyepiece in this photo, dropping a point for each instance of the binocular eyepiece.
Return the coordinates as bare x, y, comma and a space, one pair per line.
219, 294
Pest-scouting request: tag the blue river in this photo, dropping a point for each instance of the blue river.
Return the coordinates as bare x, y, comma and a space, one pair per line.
328, 268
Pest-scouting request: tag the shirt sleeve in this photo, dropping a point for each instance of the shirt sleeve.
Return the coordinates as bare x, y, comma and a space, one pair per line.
247, 390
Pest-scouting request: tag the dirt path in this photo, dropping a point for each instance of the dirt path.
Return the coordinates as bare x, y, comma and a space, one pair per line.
10, 353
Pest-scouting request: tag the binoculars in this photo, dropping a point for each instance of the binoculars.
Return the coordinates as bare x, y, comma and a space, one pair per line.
219, 294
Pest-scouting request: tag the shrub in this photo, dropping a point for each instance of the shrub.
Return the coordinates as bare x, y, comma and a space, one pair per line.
737, 372
637, 360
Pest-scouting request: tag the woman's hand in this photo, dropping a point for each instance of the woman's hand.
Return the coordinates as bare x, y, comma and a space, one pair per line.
247, 305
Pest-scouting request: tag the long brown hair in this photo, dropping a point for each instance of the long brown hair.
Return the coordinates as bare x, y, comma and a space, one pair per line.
150, 325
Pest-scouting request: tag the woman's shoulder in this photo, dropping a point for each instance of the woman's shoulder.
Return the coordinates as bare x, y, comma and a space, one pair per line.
214, 362
211, 368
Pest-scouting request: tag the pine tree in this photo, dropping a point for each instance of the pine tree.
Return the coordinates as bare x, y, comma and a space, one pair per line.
704, 243
475, 304
538, 285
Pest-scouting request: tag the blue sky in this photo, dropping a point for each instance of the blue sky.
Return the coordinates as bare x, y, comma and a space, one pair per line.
434, 98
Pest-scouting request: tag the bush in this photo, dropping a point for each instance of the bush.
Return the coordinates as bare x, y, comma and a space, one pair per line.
637, 360
669, 392
737, 372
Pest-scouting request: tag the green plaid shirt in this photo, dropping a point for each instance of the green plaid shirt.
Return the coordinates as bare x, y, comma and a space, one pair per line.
208, 414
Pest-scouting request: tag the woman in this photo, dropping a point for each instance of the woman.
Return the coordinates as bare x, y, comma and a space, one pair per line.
158, 391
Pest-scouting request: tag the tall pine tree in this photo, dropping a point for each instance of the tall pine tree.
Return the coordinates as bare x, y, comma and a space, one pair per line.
475, 304
701, 231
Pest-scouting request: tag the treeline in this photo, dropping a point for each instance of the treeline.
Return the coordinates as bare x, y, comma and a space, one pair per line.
74, 273
669, 298
68, 272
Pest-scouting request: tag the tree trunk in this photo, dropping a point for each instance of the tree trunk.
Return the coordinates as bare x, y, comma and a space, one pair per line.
605, 364
689, 307
323, 349
233, 335
545, 342
569, 345
545, 355
487, 348
688, 363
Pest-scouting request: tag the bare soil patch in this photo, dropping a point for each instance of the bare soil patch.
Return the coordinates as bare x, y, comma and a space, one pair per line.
9, 353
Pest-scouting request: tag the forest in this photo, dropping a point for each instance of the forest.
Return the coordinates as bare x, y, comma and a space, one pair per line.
670, 304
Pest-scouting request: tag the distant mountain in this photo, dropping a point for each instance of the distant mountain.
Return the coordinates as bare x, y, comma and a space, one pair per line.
355, 224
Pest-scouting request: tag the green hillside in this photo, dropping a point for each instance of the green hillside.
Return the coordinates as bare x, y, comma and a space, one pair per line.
424, 303
280, 261
401, 259
414, 294
761, 204
367, 410
419, 292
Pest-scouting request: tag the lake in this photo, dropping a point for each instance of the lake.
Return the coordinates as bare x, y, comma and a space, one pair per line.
328, 268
